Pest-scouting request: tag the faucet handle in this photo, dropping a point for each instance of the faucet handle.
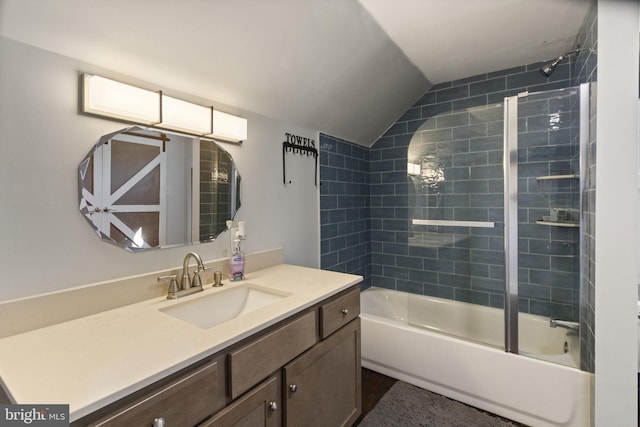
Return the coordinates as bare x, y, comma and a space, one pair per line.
173, 286
196, 282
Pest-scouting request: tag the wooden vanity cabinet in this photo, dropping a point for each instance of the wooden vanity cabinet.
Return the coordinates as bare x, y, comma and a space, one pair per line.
323, 386
200, 389
303, 371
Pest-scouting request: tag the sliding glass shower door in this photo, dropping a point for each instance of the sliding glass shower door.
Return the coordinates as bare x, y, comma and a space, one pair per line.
456, 220
495, 216
542, 209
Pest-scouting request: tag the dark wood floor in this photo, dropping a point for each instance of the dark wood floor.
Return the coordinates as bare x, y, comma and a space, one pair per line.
374, 386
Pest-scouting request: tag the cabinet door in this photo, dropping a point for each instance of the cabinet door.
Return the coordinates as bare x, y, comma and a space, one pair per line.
260, 407
323, 386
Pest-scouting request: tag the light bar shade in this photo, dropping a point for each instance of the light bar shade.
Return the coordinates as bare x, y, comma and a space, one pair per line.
184, 116
229, 127
110, 98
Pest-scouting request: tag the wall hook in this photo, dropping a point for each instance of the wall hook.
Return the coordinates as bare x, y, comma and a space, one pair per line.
298, 149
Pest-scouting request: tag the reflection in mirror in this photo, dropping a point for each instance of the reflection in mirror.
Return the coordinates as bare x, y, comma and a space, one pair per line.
142, 188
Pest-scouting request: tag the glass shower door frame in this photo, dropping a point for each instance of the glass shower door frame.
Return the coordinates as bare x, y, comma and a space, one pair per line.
511, 310
510, 165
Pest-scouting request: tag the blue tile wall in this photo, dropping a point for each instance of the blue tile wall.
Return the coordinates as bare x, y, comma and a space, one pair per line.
460, 124
344, 207
469, 264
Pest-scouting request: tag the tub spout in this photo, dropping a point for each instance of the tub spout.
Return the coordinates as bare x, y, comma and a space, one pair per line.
555, 323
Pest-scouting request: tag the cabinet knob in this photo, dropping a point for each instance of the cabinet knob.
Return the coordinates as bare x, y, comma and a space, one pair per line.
273, 406
293, 388
159, 422
345, 311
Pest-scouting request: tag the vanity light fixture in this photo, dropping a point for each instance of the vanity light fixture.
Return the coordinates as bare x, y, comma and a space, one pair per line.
109, 98
228, 127
185, 117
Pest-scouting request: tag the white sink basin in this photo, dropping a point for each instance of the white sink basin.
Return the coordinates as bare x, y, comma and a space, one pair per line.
207, 311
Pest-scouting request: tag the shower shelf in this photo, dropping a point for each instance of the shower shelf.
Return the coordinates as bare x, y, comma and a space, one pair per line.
557, 224
548, 177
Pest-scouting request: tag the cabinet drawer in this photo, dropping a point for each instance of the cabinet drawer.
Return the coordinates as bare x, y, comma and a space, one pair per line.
169, 402
338, 312
253, 362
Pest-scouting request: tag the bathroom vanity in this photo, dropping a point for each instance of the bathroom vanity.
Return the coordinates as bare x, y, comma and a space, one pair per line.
294, 361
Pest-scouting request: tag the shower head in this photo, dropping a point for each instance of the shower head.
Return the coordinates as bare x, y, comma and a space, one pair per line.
548, 68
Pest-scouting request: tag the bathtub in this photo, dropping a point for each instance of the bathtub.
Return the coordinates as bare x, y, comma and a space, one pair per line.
456, 349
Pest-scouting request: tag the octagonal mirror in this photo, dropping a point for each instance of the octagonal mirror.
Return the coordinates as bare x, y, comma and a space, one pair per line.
141, 188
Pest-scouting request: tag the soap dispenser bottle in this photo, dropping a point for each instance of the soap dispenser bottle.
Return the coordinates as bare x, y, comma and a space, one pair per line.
236, 263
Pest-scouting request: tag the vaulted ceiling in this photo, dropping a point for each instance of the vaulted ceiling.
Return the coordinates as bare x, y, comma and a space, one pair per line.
348, 68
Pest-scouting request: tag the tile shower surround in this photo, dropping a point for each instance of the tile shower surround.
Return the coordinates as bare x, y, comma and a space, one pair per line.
472, 270
344, 207
394, 262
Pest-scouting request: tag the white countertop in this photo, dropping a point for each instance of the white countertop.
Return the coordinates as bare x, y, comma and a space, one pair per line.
95, 360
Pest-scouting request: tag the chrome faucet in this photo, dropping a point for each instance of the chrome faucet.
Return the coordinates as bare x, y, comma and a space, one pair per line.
555, 323
186, 283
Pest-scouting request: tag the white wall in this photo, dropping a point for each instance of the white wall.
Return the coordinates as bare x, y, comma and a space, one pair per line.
616, 243
45, 243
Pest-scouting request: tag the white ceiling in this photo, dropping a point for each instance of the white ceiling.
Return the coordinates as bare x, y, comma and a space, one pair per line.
348, 68
453, 39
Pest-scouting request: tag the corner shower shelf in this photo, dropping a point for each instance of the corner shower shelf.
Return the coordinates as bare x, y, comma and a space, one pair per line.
557, 224
548, 177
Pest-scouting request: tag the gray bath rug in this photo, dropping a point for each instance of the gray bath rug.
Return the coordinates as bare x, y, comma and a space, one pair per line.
409, 406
